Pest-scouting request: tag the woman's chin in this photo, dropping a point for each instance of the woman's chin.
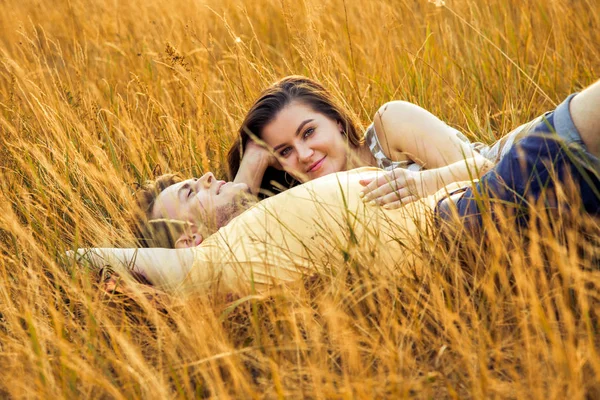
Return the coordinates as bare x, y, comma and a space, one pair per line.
324, 170
321, 173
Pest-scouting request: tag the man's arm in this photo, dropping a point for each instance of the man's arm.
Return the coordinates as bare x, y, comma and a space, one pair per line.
162, 267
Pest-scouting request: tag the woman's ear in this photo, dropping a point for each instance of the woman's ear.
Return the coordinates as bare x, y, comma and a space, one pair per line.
341, 127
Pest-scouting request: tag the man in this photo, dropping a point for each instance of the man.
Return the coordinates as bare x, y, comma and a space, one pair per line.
322, 221
278, 239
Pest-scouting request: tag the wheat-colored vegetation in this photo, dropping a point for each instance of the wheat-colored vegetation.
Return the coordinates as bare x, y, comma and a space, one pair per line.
98, 96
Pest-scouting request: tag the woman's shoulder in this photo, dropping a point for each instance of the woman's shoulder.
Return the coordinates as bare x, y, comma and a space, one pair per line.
372, 142
383, 161
370, 135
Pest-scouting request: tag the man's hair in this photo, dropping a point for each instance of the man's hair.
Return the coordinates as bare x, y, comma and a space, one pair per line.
271, 101
151, 232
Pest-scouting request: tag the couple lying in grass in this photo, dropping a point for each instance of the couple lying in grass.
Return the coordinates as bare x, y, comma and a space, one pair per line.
221, 237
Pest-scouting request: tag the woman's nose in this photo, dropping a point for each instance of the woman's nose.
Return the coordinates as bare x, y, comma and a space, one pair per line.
305, 153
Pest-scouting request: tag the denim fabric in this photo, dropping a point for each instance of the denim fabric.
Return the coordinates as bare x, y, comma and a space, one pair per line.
551, 154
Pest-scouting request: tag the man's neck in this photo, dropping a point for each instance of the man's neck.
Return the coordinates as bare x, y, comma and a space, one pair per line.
226, 213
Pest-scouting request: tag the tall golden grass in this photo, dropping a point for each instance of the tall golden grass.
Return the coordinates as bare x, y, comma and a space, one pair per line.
98, 96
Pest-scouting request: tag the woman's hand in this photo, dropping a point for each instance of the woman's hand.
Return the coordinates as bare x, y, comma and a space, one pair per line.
259, 154
395, 188
255, 161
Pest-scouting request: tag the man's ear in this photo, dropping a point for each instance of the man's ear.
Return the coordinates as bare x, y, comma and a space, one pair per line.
188, 239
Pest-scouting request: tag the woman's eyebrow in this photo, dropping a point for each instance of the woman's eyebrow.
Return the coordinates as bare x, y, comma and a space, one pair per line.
297, 132
302, 125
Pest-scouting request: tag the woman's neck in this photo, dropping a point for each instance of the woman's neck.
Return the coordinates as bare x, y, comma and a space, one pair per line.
361, 157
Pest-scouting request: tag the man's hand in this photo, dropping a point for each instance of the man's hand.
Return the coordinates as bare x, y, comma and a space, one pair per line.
394, 189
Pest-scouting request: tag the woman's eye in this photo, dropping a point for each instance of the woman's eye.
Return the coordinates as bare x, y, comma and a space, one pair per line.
308, 132
285, 151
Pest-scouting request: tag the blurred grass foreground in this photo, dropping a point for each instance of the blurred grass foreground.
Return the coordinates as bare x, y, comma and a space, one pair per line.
98, 96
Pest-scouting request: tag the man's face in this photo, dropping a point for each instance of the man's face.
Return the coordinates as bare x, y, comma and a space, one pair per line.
206, 204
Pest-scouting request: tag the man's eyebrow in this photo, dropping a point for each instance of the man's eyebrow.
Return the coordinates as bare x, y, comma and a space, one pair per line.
182, 189
297, 132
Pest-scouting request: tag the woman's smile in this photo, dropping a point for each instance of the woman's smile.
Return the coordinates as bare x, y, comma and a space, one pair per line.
316, 166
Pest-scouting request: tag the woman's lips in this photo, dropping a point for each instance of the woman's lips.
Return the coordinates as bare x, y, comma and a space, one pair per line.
316, 166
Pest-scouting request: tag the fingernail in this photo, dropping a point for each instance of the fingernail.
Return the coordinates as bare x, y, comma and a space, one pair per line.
372, 203
361, 195
387, 206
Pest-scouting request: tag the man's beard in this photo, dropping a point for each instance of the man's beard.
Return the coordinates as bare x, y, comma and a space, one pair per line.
229, 211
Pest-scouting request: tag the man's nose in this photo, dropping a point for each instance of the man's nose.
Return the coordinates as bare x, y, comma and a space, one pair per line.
206, 180
197, 239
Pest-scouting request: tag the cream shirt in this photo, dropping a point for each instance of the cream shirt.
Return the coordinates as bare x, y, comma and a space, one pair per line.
309, 228
314, 227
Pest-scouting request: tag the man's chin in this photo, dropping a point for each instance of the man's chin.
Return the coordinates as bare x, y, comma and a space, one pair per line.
241, 203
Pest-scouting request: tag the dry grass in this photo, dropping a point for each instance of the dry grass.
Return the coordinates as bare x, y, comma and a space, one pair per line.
96, 95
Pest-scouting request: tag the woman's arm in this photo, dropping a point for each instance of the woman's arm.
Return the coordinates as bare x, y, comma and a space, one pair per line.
468, 169
162, 267
400, 186
406, 129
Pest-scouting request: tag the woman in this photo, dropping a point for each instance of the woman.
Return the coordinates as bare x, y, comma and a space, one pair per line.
295, 132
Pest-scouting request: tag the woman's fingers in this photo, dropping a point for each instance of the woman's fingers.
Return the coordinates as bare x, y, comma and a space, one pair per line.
387, 183
383, 185
365, 182
399, 203
375, 183
396, 195
370, 185
386, 188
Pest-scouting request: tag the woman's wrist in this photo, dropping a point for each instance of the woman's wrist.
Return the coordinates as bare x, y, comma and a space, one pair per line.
252, 169
258, 155
430, 182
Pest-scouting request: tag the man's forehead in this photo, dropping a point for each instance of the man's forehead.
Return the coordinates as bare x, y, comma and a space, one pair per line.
167, 203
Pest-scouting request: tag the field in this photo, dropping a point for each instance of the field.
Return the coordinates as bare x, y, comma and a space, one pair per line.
98, 96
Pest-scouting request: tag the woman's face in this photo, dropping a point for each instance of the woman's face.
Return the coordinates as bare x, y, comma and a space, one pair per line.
309, 144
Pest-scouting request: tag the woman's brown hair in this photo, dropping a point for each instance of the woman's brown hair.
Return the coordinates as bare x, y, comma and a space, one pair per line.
269, 104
